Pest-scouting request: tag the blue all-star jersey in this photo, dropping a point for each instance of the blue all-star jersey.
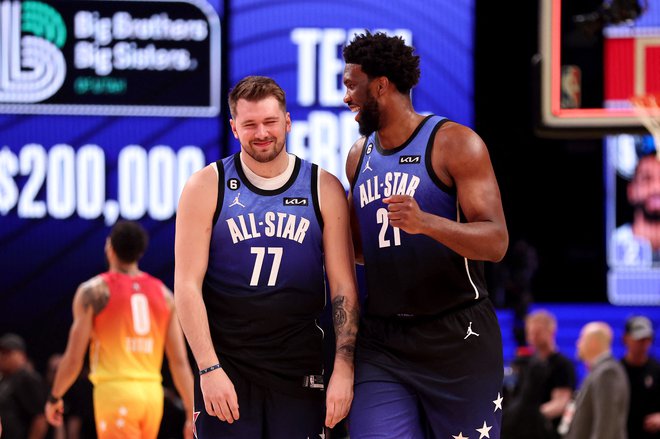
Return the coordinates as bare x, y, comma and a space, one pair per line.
264, 287
409, 275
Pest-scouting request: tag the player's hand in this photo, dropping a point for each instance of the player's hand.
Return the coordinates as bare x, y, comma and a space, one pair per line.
219, 395
339, 394
55, 412
404, 213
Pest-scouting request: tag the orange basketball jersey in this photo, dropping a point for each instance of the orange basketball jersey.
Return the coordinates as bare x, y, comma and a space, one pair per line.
129, 334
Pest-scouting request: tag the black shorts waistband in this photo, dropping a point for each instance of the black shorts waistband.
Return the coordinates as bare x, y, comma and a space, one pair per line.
424, 318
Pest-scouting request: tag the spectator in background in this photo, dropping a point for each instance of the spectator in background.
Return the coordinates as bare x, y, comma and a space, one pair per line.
600, 409
22, 392
638, 243
545, 385
644, 377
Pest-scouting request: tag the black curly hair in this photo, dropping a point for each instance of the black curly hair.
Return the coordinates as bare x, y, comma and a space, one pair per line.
382, 55
129, 240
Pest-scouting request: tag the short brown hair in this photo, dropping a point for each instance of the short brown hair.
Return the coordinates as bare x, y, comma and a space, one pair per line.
255, 88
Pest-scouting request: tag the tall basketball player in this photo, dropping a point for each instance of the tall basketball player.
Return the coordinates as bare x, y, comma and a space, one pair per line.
428, 212
127, 319
255, 234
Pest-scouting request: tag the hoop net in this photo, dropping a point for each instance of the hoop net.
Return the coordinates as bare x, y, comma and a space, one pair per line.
646, 108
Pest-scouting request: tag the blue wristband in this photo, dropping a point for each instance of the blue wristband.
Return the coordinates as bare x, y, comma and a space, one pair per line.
209, 369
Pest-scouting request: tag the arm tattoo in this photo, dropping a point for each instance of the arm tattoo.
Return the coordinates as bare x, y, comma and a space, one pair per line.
339, 312
345, 319
96, 295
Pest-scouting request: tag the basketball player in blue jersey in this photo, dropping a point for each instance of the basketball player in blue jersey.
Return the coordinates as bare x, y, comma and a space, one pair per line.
427, 212
256, 233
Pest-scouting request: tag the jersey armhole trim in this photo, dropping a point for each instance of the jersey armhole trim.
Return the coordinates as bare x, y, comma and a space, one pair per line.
316, 195
429, 164
219, 166
359, 164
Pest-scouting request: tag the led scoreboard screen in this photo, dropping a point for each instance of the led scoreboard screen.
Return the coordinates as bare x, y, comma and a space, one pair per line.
106, 108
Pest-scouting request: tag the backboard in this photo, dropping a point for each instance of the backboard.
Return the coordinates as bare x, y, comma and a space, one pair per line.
595, 57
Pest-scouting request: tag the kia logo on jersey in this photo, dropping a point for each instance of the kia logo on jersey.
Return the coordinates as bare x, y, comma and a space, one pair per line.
409, 159
295, 201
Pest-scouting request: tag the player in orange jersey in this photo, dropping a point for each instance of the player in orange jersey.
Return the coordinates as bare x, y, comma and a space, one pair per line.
127, 319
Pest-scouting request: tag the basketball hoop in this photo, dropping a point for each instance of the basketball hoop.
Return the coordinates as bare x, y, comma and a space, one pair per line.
646, 108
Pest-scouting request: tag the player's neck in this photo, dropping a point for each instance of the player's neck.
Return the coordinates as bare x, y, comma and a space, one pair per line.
129, 269
269, 183
397, 125
268, 169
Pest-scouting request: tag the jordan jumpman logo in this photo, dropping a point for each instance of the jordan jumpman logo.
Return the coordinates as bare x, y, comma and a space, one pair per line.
235, 202
366, 166
470, 332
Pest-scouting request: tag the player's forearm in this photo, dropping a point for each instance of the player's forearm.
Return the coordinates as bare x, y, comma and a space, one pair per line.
183, 381
192, 315
479, 240
67, 373
345, 317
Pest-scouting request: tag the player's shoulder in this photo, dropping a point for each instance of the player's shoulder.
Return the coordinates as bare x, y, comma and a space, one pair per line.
450, 130
93, 282
357, 147
458, 140
94, 292
200, 188
208, 174
328, 180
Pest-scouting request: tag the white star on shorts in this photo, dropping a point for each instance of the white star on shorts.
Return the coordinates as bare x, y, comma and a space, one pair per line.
484, 431
498, 402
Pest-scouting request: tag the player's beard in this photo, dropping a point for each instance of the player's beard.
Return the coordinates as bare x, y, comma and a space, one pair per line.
265, 156
652, 216
369, 117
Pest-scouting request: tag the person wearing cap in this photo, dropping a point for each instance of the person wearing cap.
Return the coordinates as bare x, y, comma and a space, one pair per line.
600, 409
644, 376
22, 392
